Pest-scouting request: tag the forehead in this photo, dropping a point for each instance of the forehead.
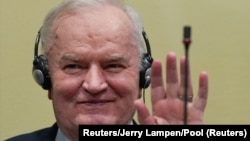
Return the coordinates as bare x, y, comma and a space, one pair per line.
106, 19
105, 24
95, 28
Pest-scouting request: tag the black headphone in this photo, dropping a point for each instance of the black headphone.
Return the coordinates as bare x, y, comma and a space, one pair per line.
41, 75
40, 69
147, 60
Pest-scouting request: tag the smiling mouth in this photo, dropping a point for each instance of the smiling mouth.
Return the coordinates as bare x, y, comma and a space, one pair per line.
95, 102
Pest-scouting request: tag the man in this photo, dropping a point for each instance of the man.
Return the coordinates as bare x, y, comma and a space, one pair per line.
96, 66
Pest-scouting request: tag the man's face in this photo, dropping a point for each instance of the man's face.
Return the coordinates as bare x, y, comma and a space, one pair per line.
94, 68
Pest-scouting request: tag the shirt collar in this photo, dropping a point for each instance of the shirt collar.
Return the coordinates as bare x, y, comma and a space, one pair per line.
60, 136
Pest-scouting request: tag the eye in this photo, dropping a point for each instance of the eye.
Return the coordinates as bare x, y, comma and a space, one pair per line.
115, 67
72, 68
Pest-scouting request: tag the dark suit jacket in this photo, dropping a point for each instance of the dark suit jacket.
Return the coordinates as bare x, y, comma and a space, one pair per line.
46, 134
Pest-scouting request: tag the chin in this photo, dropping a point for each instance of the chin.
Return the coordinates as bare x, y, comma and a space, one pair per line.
96, 119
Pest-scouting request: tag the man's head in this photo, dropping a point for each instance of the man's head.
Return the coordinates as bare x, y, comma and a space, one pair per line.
93, 49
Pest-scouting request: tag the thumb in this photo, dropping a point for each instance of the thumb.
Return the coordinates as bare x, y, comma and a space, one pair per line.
144, 116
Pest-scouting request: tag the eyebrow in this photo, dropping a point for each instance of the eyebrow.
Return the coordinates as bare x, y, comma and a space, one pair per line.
111, 58
70, 57
116, 57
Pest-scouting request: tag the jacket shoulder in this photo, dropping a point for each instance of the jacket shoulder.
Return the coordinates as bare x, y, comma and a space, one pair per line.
45, 134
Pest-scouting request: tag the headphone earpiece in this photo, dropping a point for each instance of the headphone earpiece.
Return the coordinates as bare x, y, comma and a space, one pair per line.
146, 62
40, 69
40, 72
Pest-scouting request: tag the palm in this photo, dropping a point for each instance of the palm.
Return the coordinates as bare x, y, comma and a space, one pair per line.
167, 107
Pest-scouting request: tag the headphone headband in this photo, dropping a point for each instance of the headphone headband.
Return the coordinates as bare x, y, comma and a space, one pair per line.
37, 43
145, 37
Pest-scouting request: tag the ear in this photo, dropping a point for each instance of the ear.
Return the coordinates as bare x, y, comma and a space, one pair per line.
139, 93
49, 94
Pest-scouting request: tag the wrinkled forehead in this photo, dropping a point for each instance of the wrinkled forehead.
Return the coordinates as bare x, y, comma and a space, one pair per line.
109, 23
102, 19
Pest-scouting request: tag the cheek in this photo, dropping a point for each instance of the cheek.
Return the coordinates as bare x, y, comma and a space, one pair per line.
127, 89
125, 84
65, 87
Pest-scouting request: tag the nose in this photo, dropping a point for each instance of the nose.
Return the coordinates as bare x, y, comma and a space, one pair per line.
94, 81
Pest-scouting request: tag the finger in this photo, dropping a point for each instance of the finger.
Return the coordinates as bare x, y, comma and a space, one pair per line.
189, 97
143, 113
172, 76
157, 86
201, 99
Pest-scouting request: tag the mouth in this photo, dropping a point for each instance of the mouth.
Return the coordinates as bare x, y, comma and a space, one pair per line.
95, 102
